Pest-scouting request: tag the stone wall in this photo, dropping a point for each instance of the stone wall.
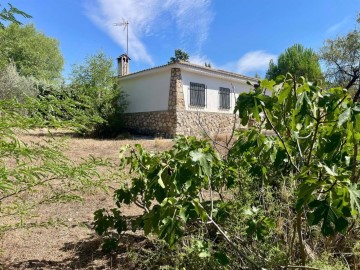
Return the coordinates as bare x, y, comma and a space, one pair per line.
201, 123
151, 123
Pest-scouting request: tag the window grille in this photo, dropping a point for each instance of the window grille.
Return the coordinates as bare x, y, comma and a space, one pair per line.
224, 98
197, 94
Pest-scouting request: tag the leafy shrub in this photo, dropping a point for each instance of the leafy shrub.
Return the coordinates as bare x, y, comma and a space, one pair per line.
280, 199
95, 85
328, 262
13, 85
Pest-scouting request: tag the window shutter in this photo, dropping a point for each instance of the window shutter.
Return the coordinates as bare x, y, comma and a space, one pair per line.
224, 98
197, 94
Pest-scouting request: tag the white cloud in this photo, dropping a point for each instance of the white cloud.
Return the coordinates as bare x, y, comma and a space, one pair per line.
201, 60
148, 17
338, 26
193, 18
251, 62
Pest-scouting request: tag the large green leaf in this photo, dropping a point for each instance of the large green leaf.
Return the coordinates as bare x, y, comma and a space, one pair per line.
284, 93
171, 230
204, 161
354, 194
305, 192
329, 217
267, 84
344, 116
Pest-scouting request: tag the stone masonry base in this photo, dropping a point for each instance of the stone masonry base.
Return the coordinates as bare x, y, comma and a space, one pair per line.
197, 123
161, 123
169, 124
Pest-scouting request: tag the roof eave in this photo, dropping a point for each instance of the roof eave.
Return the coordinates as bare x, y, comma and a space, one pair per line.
216, 73
192, 68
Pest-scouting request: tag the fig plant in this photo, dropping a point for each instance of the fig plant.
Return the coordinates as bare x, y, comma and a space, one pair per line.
305, 137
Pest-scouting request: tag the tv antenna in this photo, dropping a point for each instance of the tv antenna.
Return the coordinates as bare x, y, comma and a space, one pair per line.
126, 26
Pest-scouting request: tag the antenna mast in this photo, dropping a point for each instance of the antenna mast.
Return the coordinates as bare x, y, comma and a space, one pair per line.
126, 26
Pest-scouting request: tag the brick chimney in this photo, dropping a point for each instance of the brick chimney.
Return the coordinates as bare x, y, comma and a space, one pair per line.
123, 65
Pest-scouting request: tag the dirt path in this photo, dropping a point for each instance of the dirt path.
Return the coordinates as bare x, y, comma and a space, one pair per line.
66, 240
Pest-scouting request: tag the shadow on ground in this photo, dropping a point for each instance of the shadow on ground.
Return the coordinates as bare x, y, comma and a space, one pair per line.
87, 254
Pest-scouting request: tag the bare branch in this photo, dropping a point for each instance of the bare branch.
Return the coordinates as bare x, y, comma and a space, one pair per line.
242, 255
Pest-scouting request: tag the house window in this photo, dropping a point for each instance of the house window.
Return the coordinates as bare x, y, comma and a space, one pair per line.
197, 94
224, 98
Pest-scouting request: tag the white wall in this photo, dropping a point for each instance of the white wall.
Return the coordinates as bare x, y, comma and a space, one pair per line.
147, 93
213, 86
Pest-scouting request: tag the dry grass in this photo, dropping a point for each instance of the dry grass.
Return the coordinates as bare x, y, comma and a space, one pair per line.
66, 240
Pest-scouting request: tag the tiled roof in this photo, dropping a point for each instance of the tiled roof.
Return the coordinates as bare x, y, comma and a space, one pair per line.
198, 67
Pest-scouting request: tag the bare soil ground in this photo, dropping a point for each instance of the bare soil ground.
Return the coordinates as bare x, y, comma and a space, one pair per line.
66, 239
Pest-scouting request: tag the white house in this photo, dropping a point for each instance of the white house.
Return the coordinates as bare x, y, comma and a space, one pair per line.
180, 98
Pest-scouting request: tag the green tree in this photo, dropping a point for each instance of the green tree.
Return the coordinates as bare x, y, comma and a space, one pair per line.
180, 55
298, 61
8, 15
341, 56
95, 76
33, 53
95, 84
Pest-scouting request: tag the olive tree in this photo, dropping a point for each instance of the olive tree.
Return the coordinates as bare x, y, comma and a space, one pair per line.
13, 85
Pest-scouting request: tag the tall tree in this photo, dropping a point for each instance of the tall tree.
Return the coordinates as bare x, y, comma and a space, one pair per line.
95, 84
342, 58
33, 53
180, 55
298, 61
95, 75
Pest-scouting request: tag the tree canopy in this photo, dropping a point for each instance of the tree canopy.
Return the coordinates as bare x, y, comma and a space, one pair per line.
180, 55
95, 73
94, 83
341, 56
298, 61
33, 53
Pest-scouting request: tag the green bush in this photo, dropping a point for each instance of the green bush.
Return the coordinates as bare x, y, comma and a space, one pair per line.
13, 85
95, 85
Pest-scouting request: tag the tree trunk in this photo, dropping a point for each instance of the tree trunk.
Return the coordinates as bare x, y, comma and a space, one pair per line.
301, 243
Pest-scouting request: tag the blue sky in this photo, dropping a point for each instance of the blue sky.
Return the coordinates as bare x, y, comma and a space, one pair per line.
236, 35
